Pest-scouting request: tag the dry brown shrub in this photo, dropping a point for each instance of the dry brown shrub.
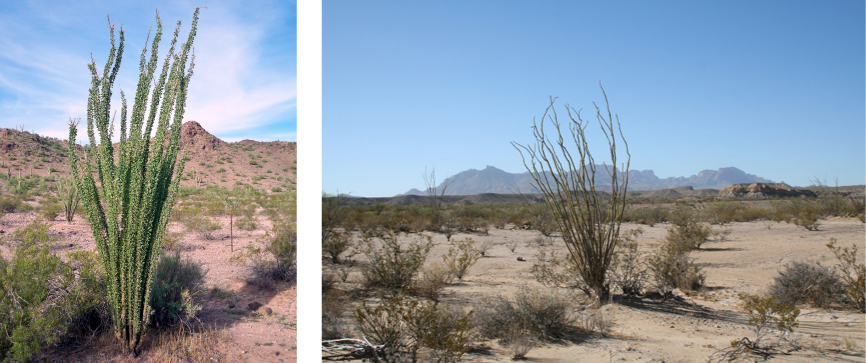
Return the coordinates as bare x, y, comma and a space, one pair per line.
183, 345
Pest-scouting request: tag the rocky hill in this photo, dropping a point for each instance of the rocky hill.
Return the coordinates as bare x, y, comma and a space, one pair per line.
210, 161
494, 180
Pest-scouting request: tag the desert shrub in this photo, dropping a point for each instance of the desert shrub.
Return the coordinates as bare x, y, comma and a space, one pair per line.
853, 274
722, 212
433, 279
855, 206
391, 264
203, 226
35, 232
174, 281
11, 204
802, 282
686, 230
765, 313
50, 212
406, 325
247, 223
546, 314
648, 216
44, 297
519, 340
68, 193
461, 255
800, 211
597, 321
336, 244
333, 326
277, 261
542, 220
671, 267
628, 270
171, 241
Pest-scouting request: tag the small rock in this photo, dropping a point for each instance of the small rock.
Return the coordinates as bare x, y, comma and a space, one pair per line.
253, 306
269, 311
521, 259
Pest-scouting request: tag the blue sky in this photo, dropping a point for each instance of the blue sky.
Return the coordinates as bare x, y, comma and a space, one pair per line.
244, 86
775, 88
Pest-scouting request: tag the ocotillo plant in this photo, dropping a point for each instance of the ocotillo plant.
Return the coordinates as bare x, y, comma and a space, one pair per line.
69, 196
128, 202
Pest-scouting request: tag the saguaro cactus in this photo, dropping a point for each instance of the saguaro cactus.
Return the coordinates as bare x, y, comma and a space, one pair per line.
128, 201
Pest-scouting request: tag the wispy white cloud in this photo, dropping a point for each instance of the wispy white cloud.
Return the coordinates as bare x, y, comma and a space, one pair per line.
244, 73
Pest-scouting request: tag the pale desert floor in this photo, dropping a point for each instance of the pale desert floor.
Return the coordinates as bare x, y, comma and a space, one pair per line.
248, 337
649, 330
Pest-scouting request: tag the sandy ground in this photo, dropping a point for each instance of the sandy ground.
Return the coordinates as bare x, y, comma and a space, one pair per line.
649, 330
250, 336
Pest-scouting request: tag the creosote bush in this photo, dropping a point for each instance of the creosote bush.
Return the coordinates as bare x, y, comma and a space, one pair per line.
686, 230
277, 261
461, 255
175, 280
852, 273
45, 297
546, 314
765, 313
671, 267
203, 226
629, 270
407, 327
802, 282
392, 264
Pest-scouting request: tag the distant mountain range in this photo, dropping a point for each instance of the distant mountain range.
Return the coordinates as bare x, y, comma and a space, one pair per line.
494, 180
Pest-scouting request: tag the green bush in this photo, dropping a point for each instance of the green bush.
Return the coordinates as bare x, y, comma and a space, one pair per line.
671, 267
461, 255
391, 265
853, 273
336, 244
44, 298
687, 231
277, 261
764, 312
203, 226
174, 281
35, 232
11, 204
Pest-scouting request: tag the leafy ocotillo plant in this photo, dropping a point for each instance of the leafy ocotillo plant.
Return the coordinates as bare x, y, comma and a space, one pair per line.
128, 201
69, 195
589, 223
